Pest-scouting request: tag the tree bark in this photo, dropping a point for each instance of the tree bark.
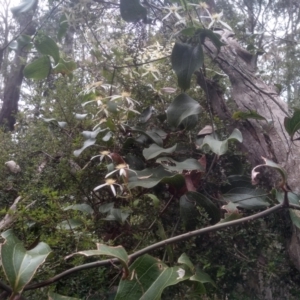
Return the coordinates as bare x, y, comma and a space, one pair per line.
249, 92
15, 77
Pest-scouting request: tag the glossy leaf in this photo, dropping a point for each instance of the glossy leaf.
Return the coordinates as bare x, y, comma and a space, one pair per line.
155, 200
117, 252
207, 33
64, 67
63, 27
54, 296
18, 264
269, 163
175, 166
117, 214
25, 6
221, 147
85, 208
86, 144
151, 277
45, 45
186, 59
247, 198
202, 277
38, 69
182, 107
146, 114
185, 260
292, 125
132, 10
154, 150
149, 178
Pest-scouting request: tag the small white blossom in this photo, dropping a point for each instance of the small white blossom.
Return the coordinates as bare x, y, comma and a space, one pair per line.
111, 183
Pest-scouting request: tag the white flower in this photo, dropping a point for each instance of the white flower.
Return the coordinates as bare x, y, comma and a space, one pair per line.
150, 68
173, 9
109, 182
216, 18
125, 96
102, 155
122, 168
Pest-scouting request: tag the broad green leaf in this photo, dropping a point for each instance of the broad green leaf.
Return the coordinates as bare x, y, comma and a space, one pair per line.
104, 208
63, 27
247, 198
149, 178
117, 252
207, 33
61, 124
293, 199
146, 114
155, 200
85, 208
251, 114
271, 164
202, 277
80, 116
221, 147
92, 134
155, 150
186, 59
86, 144
69, 224
54, 296
189, 123
175, 166
18, 264
182, 107
25, 6
156, 135
132, 10
117, 214
237, 181
151, 277
185, 260
45, 45
292, 125
38, 69
64, 67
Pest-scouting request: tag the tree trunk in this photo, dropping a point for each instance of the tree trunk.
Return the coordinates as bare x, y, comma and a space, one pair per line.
249, 92
14, 78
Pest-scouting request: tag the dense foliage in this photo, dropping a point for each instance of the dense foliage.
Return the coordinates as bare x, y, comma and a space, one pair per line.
118, 180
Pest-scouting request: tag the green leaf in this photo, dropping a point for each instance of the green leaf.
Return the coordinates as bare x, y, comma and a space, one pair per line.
292, 125
155, 150
185, 260
151, 277
186, 59
63, 27
271, 164
221, 147
45, 45
54, 296
25, 6
18, 264
85, 208
247, 198
251, 114
175, 166
104, 208
182, 107
149, 178
132, 10
117, 214
86, 144
117, 252
202, 277
61, 124
207, 33
155, 200
38, 69
64, 67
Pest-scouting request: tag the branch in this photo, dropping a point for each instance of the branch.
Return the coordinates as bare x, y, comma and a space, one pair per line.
160, 244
